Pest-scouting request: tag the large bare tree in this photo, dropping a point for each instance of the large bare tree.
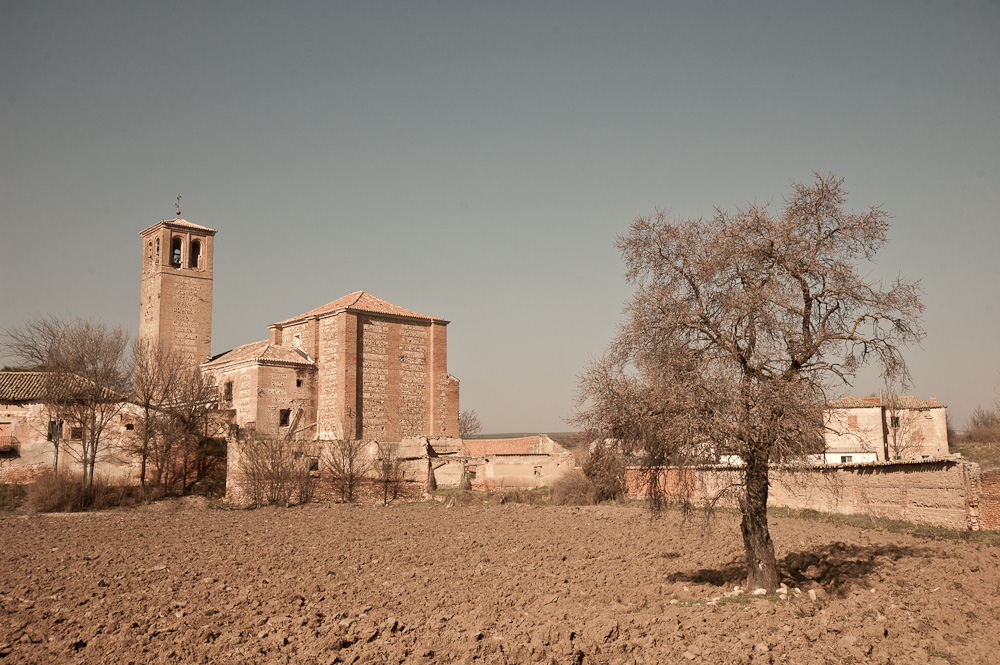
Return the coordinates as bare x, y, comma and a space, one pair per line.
738, 328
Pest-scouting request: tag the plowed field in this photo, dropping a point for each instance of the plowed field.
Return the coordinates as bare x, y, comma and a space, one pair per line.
429, 583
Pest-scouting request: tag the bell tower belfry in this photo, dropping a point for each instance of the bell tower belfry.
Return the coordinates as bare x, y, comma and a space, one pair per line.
175, 292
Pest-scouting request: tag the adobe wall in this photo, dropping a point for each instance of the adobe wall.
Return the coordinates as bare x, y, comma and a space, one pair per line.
942, 493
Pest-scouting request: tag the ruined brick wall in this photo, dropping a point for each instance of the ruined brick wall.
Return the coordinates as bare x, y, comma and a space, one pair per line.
989, 499
933, 492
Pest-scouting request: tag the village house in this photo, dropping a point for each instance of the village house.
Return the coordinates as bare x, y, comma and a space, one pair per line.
884, 428
31, 431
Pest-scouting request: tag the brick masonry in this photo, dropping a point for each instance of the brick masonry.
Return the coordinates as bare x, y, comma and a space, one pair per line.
175, 297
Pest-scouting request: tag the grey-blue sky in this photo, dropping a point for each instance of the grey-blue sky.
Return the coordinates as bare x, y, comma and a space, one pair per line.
476, 160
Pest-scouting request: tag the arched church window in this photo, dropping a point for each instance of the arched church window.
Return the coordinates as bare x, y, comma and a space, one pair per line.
175, 252
157, 253
194, 256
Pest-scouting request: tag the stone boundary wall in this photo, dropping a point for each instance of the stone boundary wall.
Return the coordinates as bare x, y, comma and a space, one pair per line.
944, 492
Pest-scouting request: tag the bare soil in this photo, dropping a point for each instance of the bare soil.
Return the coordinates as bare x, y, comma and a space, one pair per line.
178, 582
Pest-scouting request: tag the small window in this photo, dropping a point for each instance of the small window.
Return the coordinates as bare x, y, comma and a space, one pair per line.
893, 421
175, 252
157, 254
129, 427
149, 250
284, 416
538, 471
846, 459
852, 422
76, 434
194, 256
227, 391
55, 430
298, 383
314, 464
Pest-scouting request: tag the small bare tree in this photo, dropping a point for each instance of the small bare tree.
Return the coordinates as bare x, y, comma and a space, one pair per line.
346, 460
389, 473
468, 424
273, 469
738, 328
984, 425
904, 437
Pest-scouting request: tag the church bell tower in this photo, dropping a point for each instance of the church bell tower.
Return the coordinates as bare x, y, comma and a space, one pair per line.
175, 293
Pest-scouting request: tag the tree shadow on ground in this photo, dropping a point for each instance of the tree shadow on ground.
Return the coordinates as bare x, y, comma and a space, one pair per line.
836, 567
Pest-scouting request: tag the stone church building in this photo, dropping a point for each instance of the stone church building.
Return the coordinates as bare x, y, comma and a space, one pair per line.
357, 367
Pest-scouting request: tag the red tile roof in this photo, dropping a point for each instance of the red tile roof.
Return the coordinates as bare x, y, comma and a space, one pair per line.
360, 301
521, 446
897, 401
32, 386
262, 351
182, 223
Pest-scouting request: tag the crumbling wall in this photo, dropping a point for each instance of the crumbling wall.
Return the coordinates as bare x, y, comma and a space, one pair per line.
937, 492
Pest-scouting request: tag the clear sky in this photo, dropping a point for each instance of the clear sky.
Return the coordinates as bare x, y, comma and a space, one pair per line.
476, 160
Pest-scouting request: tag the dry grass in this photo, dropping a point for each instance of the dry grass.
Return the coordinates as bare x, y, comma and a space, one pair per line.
70, 493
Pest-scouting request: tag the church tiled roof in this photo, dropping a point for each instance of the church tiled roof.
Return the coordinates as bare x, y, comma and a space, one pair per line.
360, 301
897, 401
262, 351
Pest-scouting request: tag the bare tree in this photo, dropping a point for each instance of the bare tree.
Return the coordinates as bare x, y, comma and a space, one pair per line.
157, 372
984, 425
273, 469
89, 372
738, 327
193, 425
468, 424
346, 460
904, 436
389, 471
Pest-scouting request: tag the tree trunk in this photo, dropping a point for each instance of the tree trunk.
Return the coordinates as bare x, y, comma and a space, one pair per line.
762, 569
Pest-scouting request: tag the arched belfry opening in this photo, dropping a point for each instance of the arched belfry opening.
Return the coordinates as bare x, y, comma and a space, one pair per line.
194, 254
175, 252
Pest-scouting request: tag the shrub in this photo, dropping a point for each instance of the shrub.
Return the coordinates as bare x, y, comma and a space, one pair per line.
11, 496
574, 488
605, 467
